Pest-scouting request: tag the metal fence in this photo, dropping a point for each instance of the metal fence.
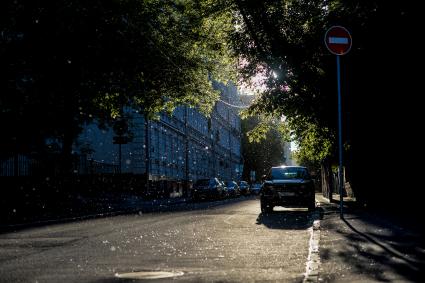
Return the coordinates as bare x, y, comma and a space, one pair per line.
19, 165
96, 167
22, 165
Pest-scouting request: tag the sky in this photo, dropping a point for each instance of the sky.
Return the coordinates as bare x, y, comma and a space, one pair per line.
294, 146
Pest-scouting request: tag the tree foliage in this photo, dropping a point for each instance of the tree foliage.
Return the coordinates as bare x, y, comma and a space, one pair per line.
284, 40
262, 145
67, 62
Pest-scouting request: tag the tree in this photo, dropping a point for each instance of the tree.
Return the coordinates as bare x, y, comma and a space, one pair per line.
262, 145
284, 40
68, 62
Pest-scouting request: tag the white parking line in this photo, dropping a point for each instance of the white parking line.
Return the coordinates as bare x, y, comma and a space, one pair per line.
227, 220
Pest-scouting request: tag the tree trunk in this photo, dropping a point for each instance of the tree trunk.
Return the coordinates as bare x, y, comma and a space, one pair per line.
66, 158
327, 179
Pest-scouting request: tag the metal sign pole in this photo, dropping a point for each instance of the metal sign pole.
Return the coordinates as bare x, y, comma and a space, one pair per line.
341, 175
338, 41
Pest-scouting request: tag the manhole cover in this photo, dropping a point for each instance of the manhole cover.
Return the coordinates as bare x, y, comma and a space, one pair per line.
149, 274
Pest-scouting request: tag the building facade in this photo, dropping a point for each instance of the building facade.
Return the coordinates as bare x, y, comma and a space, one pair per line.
184, 146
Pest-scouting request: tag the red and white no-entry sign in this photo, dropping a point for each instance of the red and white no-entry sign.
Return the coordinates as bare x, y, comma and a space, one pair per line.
338, 40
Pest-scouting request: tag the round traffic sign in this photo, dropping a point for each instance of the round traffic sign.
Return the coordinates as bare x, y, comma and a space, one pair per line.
338, 40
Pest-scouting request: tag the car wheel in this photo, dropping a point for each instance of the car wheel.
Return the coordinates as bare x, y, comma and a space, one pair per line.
266, 208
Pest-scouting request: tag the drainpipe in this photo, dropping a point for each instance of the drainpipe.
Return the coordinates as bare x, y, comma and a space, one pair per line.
147, 152
186, 130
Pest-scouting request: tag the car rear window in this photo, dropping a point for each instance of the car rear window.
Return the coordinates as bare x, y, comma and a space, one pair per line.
289, 173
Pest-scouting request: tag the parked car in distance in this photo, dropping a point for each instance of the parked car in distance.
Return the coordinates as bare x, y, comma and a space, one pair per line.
232, 188
225, 190
208, 189
287, 186
255, 188
244, 188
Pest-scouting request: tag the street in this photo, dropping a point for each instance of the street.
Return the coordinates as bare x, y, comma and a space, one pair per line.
211, 141
226, 241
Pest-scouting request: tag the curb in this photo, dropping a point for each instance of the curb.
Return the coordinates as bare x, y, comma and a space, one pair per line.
313, 259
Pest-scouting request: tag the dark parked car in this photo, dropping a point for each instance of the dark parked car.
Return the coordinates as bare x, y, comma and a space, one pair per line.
232, 189
225, 190
208, 189
255, 188
287, 186
244, 188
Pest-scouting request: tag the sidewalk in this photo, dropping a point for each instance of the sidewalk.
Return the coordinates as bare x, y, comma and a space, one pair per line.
367, 246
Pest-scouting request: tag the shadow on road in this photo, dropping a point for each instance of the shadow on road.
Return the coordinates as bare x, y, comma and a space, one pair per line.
289, 219
60, 217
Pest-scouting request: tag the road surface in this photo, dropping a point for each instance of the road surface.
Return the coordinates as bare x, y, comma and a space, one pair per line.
225, 241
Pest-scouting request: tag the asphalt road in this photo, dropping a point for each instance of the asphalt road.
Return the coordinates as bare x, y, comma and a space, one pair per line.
227, 241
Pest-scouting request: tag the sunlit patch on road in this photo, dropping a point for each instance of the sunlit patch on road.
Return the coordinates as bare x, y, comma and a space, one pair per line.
281, 208
145, 275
